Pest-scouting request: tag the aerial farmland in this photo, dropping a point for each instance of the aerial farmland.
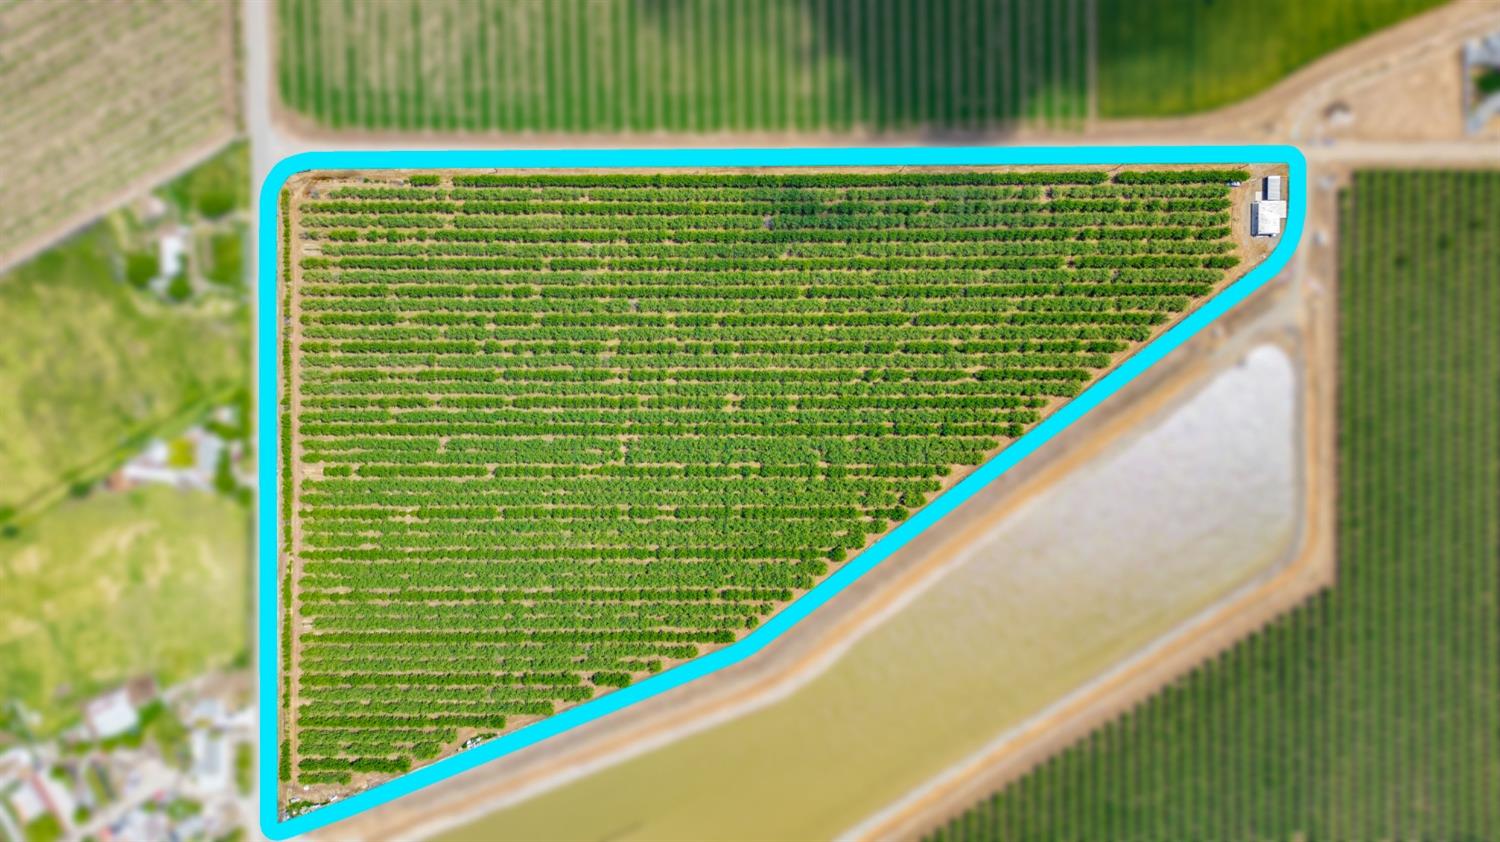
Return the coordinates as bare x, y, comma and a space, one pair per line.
537, 427
682, 67
622, 459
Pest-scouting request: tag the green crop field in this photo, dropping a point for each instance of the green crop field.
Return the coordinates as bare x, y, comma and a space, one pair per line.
1161, 58
555, 433
93, 361
707, 66
1372, 712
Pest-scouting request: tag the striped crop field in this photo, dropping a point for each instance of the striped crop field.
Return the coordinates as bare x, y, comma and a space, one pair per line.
719, 67
1373, 711
545, 435
684, 66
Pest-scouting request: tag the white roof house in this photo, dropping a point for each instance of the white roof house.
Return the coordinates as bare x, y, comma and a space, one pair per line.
211, 760
56, 796
1266, 218
170, 250
28, 802
1267, 214
139, 824
37, 795
111, 714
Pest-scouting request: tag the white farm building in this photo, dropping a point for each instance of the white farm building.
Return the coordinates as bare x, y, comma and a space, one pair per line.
1269, 212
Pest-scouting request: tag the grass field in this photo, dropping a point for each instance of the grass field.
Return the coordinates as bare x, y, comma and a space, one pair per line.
100, 353
118, 584
99, 96
558, 432
1373, 712
1169, 57
92, 364
702, 66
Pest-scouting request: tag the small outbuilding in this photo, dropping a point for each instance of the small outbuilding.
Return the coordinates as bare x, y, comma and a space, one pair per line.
111, 714
1266, 218
1268, 214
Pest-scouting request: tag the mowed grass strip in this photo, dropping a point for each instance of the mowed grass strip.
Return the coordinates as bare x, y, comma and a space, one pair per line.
556, 433
1373, 712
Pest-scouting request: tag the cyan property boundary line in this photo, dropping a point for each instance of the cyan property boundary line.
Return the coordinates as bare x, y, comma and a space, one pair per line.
268, 381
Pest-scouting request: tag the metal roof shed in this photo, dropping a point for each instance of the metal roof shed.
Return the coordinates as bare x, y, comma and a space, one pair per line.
1266, 218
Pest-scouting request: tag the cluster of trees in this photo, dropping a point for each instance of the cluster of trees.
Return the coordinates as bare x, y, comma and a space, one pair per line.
1141, 190
646, 220
565, 431
868, 192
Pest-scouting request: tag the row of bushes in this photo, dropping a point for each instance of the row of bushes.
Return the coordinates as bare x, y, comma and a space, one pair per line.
759, 250
782, 180
574, 233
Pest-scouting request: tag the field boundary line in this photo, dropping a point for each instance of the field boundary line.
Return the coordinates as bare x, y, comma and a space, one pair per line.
268, 404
